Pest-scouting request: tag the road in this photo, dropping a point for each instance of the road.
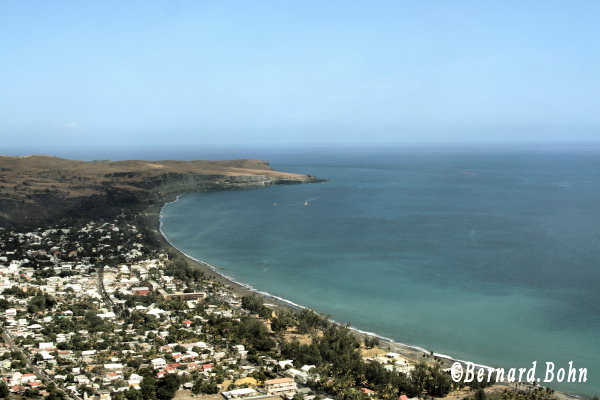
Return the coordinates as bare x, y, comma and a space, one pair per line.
37, 370
103, 291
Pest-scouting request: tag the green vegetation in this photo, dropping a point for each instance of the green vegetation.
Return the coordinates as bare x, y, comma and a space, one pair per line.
179, 269
337, 354
535, 394
254, 304
203, 386
40, 302
371, 341
4, 392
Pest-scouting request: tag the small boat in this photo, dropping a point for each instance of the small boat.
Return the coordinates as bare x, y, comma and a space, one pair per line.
275, 204
306, 203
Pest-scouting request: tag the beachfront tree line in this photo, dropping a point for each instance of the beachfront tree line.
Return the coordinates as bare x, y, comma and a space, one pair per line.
539, 393
335, 350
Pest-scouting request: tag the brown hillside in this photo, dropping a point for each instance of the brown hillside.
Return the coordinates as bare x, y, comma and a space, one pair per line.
40, 187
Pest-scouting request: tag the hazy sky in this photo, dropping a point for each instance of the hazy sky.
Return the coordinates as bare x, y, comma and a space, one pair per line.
127, 73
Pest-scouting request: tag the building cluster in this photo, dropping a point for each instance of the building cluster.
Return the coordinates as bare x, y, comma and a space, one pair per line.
392, 361
94, 312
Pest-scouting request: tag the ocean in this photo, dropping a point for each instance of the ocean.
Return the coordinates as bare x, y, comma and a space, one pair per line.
486, 255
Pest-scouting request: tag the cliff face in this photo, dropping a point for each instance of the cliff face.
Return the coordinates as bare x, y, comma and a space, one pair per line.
176, 183
41, 188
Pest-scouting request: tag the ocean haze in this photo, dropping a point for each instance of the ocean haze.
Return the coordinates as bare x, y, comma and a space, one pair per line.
200, 72
489, 256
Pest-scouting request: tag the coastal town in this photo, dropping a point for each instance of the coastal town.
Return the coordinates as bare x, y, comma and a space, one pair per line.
97, 310
299, 200
91, 312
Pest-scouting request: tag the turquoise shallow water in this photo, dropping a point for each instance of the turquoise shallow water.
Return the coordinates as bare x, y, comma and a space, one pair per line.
491, 257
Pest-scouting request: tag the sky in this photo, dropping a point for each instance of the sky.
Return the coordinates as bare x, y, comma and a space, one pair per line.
179, 73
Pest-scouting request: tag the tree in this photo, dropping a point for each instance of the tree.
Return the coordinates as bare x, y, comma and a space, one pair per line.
4, 392
148, 388
254, 304
309, 320
281, 322
55, 394
203, 387
480, 394
197, 388
167, 386
371, 341
132, 394
4, 304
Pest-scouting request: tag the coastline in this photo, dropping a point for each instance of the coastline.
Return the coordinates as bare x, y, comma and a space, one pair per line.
240, 288
411, 352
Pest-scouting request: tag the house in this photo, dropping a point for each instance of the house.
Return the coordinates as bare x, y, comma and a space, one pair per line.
241, 350
286, 363
302, 376
65, 354
114, 367
16, 389
140, 291
88, 352
111, 376
186, 296
158, 363
156, 312
28, 378
135, 380
104, 395
280, 386
367, 391
46, 356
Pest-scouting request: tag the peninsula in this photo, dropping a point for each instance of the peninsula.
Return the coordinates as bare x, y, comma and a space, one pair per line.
44, 188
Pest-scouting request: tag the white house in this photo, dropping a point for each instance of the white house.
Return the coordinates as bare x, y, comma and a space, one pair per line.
158, 363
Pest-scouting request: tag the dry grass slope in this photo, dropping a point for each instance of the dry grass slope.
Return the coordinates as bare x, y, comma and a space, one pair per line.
40, 187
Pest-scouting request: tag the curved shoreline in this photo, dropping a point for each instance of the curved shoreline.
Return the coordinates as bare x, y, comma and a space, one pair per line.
405, 350
288, 303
